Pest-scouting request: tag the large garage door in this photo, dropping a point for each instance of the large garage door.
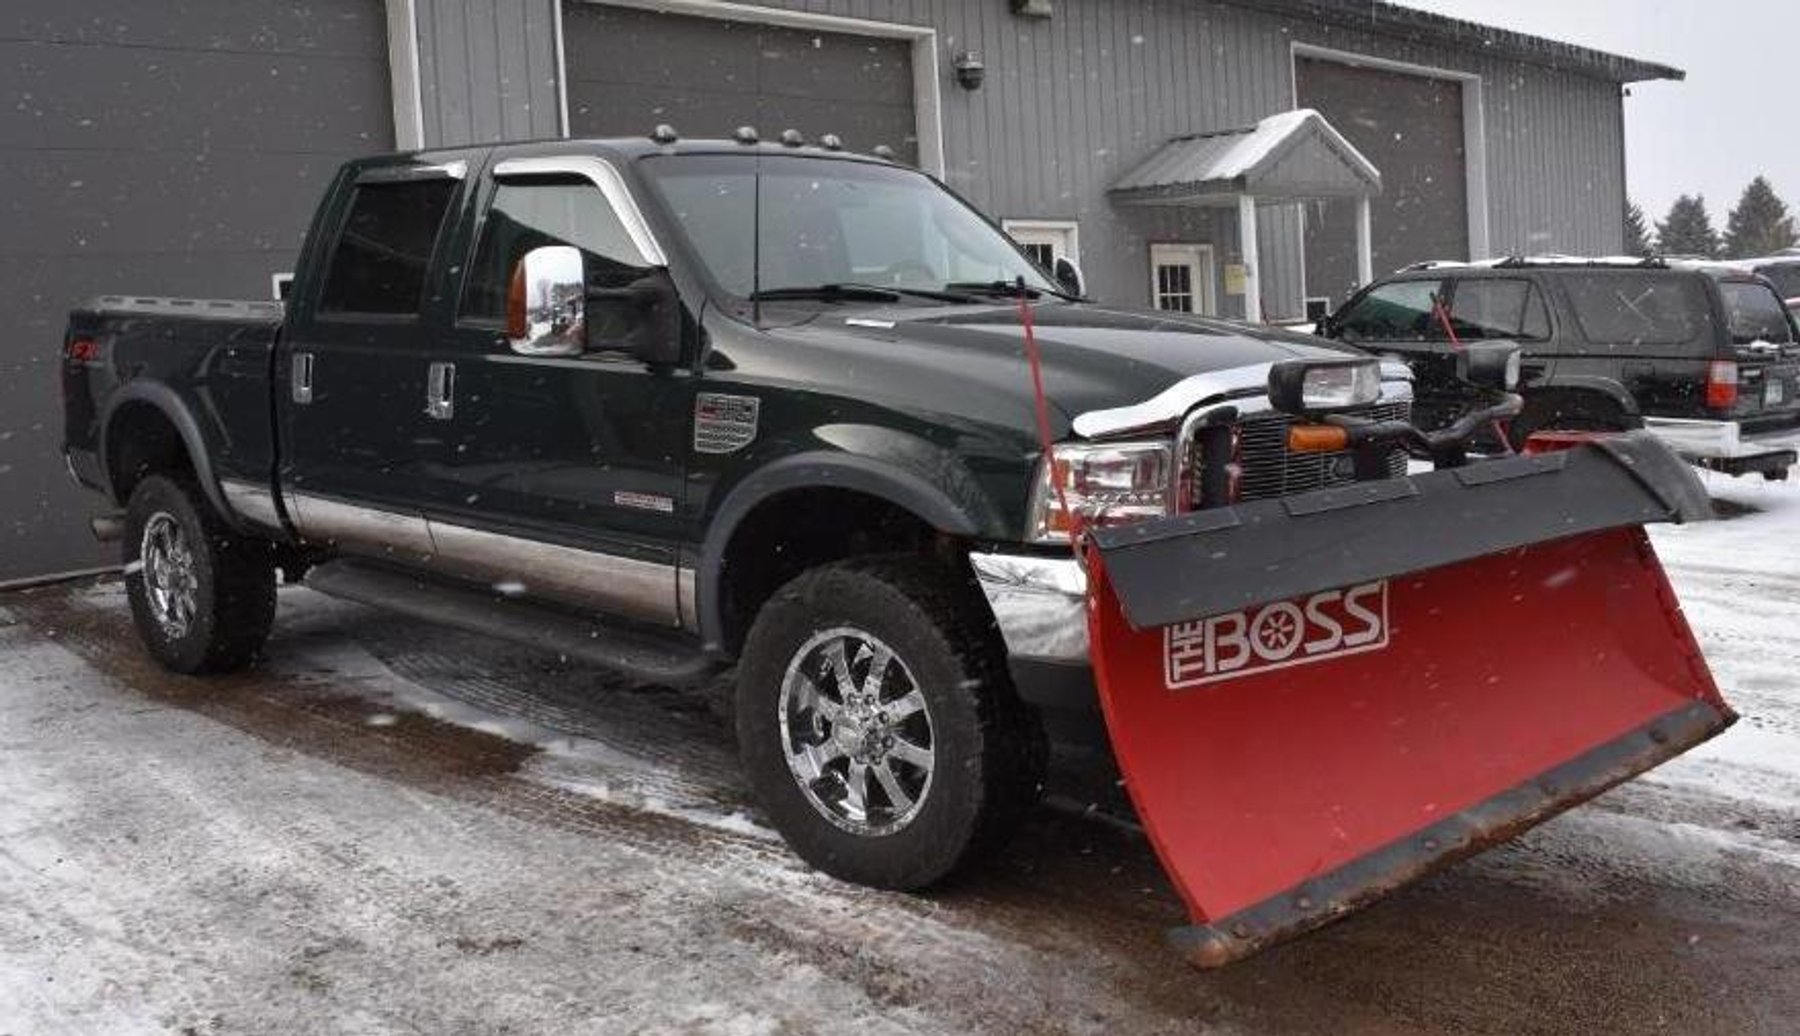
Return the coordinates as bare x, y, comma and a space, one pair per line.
1411, 127
630, 70
171, 147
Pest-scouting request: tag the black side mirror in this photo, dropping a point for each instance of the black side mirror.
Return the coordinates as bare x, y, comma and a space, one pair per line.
650, 311
1068, 277
1489, 365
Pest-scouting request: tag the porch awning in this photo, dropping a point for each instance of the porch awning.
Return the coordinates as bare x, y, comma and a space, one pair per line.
1293, 156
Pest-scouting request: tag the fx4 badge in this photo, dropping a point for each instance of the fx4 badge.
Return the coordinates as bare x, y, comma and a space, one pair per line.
724, 423
1326, 625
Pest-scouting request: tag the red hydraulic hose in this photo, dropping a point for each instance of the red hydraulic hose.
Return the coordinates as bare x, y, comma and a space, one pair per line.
1041, 404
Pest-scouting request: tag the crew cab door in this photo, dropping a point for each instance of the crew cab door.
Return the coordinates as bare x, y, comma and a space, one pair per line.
561, 474
352, 377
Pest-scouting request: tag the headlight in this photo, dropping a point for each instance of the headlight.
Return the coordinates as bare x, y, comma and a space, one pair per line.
1317, 386
1106, 483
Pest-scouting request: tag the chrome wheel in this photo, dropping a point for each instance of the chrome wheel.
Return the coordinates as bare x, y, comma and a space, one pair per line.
856, 732
171, 584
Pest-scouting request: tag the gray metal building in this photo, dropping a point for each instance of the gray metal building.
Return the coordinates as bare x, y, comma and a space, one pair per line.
177, 146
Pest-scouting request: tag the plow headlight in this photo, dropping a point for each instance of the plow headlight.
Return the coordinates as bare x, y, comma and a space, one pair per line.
1105, 483
1319, 386
1489, 365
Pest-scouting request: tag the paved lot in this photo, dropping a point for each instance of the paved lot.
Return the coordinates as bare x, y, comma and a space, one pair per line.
393, 829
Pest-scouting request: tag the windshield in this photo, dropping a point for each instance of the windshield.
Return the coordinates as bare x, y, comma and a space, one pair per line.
831, 222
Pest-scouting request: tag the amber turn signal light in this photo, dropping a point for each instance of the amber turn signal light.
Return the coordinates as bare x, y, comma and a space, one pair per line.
1317, 438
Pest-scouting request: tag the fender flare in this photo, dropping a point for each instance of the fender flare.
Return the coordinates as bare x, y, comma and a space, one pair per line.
822, 469
164, 400
1592, 384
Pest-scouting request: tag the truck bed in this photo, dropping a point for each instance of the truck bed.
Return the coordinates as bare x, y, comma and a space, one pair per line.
207, 364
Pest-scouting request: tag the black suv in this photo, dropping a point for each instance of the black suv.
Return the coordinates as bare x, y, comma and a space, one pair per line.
1704, 355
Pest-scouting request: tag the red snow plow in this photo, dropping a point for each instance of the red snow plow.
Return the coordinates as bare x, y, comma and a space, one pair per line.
1319, 698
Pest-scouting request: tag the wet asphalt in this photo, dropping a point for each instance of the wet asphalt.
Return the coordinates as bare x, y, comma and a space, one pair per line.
627, 886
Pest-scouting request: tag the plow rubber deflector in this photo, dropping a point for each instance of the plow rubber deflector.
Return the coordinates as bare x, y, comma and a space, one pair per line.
1297, 757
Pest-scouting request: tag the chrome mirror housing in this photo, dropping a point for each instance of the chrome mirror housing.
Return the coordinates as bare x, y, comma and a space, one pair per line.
546, 303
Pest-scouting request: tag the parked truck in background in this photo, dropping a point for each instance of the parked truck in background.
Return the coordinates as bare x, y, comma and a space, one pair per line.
1702, 354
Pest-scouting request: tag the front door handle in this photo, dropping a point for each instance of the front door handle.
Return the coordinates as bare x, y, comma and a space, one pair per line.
302, 377
440, 391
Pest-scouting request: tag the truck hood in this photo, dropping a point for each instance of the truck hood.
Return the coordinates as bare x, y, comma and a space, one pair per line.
1094, 357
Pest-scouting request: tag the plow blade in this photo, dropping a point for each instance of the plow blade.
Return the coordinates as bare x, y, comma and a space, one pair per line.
1383, 699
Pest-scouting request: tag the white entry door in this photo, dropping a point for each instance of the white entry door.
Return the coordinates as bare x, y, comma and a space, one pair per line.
1181, 278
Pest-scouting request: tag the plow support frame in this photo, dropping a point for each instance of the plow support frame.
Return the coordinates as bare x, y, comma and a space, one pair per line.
1214, 561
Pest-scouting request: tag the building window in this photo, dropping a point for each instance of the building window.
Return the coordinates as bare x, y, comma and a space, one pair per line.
1181, 278
1046, 240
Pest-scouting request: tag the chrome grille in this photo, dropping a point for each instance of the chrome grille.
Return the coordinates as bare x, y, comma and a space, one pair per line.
1269, 470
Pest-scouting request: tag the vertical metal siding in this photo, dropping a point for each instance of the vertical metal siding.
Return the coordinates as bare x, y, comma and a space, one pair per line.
1072, 101
487, 70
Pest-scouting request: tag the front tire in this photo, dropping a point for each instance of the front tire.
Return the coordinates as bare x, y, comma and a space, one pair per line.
202, 597
877, 724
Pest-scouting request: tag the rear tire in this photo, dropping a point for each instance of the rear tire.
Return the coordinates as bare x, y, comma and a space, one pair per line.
203, 597
950, 760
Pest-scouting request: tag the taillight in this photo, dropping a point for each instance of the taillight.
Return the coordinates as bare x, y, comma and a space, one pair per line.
81, 350
1721, 384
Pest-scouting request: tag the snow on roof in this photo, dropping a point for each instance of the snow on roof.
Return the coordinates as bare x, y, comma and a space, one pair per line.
1252, 159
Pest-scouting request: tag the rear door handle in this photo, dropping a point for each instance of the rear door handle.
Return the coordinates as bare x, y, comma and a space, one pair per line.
303, 377
440, 391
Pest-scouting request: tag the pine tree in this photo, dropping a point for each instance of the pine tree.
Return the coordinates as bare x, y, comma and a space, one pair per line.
1688, 230
1760, 225
1637, 233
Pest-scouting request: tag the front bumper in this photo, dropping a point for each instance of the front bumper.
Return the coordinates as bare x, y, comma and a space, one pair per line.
1040, 605
1727, 446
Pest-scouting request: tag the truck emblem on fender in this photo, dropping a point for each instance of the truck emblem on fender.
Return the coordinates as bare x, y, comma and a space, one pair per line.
724, 423
1326, 625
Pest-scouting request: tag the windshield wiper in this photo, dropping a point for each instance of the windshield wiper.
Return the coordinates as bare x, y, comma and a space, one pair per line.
1009, 289
849, 291
829, 293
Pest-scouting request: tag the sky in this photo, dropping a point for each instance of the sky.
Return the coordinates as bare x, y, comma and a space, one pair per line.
1729, 121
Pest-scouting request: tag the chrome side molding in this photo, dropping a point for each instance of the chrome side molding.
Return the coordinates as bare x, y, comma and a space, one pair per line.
649, 591
611, 583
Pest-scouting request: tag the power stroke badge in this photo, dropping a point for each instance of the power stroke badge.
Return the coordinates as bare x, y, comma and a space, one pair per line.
724, 423
1323, 626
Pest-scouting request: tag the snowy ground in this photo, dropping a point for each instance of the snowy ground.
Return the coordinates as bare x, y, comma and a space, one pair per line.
393, 829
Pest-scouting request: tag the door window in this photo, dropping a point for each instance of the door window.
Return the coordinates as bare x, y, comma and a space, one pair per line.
378, 265
524, 216
1490, 308
1400, 311
1181, 278
1756, 314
